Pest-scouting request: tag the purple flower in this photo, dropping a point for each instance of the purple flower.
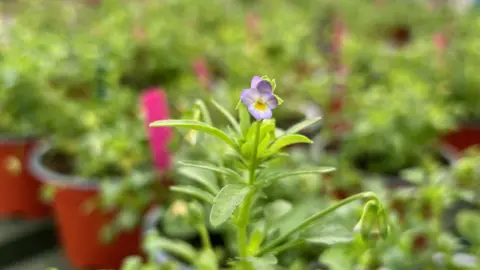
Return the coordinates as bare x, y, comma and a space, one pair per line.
259, 99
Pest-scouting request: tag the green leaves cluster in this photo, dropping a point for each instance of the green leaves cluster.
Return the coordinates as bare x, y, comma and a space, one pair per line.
238, 200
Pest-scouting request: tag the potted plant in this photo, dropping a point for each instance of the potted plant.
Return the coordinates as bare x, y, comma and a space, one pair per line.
396, 23
24, 101
461, 61
396, 118
236, 201
102, 176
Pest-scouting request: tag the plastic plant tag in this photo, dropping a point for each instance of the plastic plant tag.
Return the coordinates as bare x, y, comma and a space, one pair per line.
155, 107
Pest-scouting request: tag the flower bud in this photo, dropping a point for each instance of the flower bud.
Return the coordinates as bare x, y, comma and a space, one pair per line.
383, 225
368, 220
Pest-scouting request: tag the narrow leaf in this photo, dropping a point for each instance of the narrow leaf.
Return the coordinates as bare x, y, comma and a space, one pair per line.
192, 124
286, 141
200, 178
225, 203
226, 171
229, 117
194, 192
275, 177
302, 125
203, 109
155, 243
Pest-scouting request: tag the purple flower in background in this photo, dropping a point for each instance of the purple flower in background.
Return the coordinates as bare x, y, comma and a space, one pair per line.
259, 99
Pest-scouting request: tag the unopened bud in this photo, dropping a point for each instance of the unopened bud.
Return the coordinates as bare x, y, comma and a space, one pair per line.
368, 220
383, 224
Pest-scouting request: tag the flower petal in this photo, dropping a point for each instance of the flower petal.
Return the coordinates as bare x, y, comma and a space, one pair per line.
264, 87
258, 114
249, 96
269, 99
255, 81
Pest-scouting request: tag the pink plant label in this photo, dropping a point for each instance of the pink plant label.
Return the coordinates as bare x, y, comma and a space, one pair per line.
155, 107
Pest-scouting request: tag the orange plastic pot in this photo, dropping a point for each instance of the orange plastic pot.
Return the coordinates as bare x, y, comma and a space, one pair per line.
466, 136
19, 190
79, 229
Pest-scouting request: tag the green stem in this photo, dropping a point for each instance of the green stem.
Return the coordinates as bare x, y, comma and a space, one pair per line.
202, 230
314, 218
244, 213
253, 164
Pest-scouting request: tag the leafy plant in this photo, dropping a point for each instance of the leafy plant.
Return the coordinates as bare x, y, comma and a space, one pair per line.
254, 146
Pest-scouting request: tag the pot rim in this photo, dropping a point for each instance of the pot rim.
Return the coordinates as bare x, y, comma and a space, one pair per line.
150, 219
50, 177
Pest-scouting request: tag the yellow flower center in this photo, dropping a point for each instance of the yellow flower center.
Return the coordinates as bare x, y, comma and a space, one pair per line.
259, 105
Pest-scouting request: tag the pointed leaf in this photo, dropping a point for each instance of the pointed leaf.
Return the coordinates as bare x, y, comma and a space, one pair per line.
331, 234
155, 243
229, 117
286, 141
200, 177
203, 109
225, 203
275, 177
205, 166
302, 125
200, 126
195, 192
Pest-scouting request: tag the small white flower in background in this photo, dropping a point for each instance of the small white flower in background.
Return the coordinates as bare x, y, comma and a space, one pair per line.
179, 208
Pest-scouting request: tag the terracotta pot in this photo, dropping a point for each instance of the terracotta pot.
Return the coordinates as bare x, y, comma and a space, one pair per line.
19, 190
464, 137
79, 230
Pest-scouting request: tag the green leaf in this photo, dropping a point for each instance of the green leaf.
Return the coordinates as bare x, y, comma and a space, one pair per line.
268, 126
132, 263
302, 125
275, 177
203, 109
154, 243
468, 224
225, 203
277, 209
200, 126
255, 241
337, 258
207, 260
245, 119
226, 171
195, 192
229, 117
331, 234
267, 262
200, 177
285, 141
